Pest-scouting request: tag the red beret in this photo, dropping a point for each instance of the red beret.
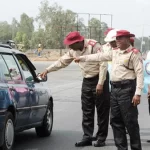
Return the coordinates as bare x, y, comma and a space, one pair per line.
124, 33
73, 37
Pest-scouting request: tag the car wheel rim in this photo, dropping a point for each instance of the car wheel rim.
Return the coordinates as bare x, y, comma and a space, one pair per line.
49, 119
9, 133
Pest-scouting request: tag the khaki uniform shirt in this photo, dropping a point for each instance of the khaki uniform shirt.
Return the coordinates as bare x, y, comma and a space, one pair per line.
120, 58
106, 47
89, 69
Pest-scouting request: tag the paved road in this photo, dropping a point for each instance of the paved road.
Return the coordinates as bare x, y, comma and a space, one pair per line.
65, 86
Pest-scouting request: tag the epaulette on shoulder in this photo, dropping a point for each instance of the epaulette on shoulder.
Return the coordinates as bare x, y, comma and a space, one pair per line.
92, 43
135, 51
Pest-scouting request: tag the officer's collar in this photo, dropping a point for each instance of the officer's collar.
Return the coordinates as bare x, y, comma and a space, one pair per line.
129, 49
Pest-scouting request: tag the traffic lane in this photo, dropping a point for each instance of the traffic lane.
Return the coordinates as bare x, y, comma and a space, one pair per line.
67, 130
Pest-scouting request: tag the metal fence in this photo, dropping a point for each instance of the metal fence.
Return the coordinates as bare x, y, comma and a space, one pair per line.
96, 33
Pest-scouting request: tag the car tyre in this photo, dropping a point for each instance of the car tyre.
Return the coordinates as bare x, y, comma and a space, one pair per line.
47, 125
8, 132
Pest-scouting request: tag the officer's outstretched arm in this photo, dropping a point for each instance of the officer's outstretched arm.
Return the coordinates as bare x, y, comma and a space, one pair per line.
63, 62
103, 56
138, 68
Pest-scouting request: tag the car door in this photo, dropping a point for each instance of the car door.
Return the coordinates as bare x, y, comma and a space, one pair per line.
38, 94
18, 89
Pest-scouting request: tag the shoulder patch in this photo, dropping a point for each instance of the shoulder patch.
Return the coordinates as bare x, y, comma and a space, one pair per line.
135, 51
92, 43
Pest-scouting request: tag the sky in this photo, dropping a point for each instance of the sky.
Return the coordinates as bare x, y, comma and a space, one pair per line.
132, 15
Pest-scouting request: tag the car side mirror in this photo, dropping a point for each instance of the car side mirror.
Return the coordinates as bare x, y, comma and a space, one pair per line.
41, 79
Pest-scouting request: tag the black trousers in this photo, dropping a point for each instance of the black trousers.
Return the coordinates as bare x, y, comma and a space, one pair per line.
89, 100
124, 115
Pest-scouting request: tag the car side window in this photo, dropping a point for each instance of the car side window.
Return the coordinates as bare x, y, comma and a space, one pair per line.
27, 74
12, 67
4, 73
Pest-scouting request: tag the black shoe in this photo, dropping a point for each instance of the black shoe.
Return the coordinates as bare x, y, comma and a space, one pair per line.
99, 144
94, 138
83, 143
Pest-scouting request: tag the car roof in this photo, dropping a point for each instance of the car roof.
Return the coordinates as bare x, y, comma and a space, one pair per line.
4, 48
7, 49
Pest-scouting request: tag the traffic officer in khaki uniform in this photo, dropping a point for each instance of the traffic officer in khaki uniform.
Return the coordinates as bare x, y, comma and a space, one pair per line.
126, 87
95, 87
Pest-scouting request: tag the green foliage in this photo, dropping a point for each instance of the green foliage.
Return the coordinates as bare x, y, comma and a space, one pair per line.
26, 25
15, 26
97, 29
53, 23
5, 31
38, 37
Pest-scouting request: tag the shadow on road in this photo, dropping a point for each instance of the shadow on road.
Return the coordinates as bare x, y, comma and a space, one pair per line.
59, 140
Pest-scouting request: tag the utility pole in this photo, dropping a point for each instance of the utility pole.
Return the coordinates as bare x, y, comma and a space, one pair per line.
142, 38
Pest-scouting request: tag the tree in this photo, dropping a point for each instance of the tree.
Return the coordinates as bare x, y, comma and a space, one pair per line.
38, 37
82, 28
23, 31
18, 37
6, 31
56, 22
26, 25
15, 27
97, 29
25, 41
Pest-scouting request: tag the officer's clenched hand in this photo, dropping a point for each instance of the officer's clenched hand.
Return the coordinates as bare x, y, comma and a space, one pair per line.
136, 100
77, 59
99, 89
43, 74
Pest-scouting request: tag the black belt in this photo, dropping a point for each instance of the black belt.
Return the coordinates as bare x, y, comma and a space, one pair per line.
122, 84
